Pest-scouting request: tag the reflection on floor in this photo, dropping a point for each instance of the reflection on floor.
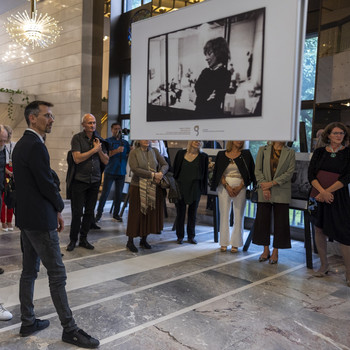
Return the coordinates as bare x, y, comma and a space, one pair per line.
182, 296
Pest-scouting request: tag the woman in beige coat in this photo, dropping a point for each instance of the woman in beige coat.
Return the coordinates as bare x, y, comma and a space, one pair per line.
274, 169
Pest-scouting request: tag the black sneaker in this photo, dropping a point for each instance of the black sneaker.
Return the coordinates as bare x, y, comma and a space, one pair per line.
85, 244
80, 338
117, 218
192, 241
37, 326
71, 246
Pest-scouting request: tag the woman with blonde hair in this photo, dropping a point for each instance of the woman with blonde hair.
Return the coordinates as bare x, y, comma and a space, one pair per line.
274, 169
191, 174
233, 173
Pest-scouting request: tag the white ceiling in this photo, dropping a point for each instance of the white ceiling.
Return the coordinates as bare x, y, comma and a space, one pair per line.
7, 5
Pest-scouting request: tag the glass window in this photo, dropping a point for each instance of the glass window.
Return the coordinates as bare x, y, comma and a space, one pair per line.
131, 4
309, 68
305, 116
126, 93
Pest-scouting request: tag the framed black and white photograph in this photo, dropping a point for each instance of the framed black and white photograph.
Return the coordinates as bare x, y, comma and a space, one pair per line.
300, 183
211, 70
218, 70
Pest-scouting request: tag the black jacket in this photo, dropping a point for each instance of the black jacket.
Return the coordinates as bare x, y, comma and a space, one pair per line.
245, 164
203, 168
37, 195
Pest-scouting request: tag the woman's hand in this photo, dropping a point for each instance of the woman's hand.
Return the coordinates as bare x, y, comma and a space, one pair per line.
267, 194
158, 176
325, 197
266, 185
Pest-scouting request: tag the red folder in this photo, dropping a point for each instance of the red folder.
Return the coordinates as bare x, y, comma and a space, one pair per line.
326, 179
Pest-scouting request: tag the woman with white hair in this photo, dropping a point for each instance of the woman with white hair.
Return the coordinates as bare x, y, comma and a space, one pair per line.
191, 174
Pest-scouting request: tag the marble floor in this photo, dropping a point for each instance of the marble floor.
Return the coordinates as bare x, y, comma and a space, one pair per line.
177, 297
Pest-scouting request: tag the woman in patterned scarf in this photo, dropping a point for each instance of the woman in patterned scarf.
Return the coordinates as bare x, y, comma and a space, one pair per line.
145, 197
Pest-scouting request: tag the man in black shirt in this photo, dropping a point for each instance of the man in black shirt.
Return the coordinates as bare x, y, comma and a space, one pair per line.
88, 154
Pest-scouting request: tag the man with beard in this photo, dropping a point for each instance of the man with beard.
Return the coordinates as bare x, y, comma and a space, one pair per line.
38, 215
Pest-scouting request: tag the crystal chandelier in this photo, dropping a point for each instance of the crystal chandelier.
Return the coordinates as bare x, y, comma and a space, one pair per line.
35, 30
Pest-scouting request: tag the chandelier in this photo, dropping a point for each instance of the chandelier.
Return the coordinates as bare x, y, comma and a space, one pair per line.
35, 30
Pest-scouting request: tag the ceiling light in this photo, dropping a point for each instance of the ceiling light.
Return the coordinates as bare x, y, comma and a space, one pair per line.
34, 30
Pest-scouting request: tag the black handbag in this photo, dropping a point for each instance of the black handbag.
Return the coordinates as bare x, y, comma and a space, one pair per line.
165, 181
10, 194
250, 194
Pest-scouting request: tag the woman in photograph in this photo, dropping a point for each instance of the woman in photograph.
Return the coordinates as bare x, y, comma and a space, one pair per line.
273, 170
145, 194
214, 81
191, 174
332, 218
233, 173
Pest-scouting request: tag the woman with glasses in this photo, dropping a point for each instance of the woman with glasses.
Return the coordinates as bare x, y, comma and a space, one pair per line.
329, 175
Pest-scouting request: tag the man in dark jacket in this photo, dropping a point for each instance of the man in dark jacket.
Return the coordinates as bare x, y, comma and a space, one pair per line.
38, 215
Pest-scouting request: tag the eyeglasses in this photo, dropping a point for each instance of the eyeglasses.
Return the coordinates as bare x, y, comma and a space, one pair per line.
342, 133
48, 116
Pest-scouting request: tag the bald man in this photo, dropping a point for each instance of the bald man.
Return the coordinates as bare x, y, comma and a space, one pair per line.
89, 156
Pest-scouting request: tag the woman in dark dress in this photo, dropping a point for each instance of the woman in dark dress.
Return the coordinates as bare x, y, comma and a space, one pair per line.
332, 218
213, 82
191, 174
145, 196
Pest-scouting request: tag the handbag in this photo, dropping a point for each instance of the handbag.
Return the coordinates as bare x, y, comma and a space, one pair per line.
251, 194
165, 181
10, 194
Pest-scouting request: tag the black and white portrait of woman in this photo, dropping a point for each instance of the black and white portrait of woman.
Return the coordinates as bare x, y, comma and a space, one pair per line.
207, 71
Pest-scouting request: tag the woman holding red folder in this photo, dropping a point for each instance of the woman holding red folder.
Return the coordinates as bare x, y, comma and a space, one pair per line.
329, 175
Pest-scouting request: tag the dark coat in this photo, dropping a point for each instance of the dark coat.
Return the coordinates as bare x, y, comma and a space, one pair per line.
245, 164
203, 168
37, 195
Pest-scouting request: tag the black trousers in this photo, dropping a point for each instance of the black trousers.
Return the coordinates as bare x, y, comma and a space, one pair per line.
191, 219
84, 197
262, 225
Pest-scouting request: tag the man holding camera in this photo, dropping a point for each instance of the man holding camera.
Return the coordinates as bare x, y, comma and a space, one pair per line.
115, 171
89, 156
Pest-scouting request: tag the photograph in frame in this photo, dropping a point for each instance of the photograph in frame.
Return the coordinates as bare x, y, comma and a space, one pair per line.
264, 81
211, 70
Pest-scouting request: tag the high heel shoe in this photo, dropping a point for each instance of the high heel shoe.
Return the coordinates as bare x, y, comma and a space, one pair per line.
223, 248
263, 258
320, 273
234, 250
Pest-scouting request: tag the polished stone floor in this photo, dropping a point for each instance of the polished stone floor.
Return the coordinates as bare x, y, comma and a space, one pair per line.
182, 296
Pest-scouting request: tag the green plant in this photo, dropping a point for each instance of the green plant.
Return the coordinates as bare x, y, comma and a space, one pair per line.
25, 100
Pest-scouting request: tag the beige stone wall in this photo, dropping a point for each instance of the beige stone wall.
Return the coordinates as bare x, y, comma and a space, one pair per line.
55, 76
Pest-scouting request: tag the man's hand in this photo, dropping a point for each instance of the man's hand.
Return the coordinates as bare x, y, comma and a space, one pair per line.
60, 222
97, 145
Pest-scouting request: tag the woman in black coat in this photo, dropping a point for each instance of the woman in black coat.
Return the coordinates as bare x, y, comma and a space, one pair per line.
191, 174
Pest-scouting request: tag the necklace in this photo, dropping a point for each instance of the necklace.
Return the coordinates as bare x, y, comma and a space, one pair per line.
334, 151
